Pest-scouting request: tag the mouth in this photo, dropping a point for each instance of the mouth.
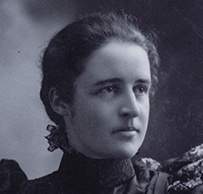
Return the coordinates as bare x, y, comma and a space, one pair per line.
126, 129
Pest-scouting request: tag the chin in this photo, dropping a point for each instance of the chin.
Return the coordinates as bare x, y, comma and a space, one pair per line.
126, 152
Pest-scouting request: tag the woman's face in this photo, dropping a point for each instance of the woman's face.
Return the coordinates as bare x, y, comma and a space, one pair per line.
111, 106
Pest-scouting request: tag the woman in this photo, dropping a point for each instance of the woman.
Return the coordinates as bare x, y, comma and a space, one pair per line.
99, 74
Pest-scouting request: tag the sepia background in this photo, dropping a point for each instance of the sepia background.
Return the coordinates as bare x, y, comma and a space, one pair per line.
176, 121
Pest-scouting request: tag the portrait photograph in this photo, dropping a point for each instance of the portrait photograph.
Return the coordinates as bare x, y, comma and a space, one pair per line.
101, 97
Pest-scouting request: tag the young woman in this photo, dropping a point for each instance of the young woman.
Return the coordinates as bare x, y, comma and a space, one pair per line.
99, 74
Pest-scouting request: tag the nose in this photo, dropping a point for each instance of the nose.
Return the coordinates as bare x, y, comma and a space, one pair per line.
130, 107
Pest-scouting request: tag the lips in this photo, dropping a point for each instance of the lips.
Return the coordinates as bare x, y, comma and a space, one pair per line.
126, 129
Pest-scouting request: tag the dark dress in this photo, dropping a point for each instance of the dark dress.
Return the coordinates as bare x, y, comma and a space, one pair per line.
79, 174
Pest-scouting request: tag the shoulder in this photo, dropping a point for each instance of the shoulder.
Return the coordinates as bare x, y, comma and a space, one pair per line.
14, 181
187, 171
11, 176
56, 182
45, 185
183, 174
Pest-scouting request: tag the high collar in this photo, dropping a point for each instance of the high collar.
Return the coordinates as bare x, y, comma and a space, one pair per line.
95, 172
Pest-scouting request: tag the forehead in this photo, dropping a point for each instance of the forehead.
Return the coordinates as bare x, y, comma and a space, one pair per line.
117, 60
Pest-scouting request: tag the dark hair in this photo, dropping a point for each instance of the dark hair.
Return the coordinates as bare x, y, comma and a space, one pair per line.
65, 56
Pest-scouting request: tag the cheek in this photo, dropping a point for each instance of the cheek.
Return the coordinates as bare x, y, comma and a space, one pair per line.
145, 112
91, 113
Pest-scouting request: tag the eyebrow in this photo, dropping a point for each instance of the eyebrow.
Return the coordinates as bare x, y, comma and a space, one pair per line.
144, 81
113, 80
107, 81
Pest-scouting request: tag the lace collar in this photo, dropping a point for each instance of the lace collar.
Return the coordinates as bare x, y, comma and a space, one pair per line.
96, 172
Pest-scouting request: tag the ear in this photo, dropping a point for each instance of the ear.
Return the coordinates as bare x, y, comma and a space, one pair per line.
57, 104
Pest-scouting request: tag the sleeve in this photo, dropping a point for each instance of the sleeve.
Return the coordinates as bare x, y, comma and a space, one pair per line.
186, 171
11, 177
182, 175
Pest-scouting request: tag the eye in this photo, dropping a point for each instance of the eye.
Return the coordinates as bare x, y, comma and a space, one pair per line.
140, 90
109, 89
